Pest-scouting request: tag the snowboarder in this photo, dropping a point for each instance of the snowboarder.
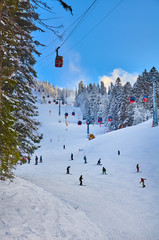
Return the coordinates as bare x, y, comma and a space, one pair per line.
71, 156
29, 158
137, 167
63, 146
68, 170
103, 170
41, 159
85, 159
99, 162
118, 152
80, 179
36, 160
143, 182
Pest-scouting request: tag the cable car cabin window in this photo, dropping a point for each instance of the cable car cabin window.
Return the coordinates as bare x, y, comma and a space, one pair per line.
58, 61
145, 98
79, 123
132, 99
110, 119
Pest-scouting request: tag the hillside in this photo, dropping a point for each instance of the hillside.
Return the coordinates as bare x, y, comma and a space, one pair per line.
44, 202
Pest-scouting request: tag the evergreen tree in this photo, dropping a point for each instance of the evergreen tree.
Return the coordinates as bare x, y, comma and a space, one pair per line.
17, 110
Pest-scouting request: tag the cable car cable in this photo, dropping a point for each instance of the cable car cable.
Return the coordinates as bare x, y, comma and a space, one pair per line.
84, 13
81, 18
79, 22
107, 15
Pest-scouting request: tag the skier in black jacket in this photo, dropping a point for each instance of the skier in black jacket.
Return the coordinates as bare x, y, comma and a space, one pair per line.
80, 179
68, 170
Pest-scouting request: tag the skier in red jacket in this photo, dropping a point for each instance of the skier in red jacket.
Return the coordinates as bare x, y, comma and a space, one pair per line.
143, 182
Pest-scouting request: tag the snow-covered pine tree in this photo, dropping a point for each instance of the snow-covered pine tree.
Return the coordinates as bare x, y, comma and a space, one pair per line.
17, 46
125, 105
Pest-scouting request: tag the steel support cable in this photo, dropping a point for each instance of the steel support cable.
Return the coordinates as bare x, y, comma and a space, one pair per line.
81, 19
69, 26
79, 22
107, 15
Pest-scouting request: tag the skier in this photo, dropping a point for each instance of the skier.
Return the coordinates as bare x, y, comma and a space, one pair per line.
36, 160
63, 146
68, 170
99, 162
137, 167
29, 158
143, 182
71, 156
85, 159
80, 179
41, 159
103, 170
24, 159
118, 152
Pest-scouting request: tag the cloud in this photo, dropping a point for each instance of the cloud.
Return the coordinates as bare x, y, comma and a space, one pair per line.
124, 76
75, 72
74, 63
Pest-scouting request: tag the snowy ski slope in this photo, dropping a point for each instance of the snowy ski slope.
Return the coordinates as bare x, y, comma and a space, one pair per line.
45, 203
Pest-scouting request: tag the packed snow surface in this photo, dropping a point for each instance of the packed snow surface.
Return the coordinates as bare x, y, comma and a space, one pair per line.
45, 203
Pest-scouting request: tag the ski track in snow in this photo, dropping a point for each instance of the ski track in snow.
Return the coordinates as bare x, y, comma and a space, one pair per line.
44, 203
49, 217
